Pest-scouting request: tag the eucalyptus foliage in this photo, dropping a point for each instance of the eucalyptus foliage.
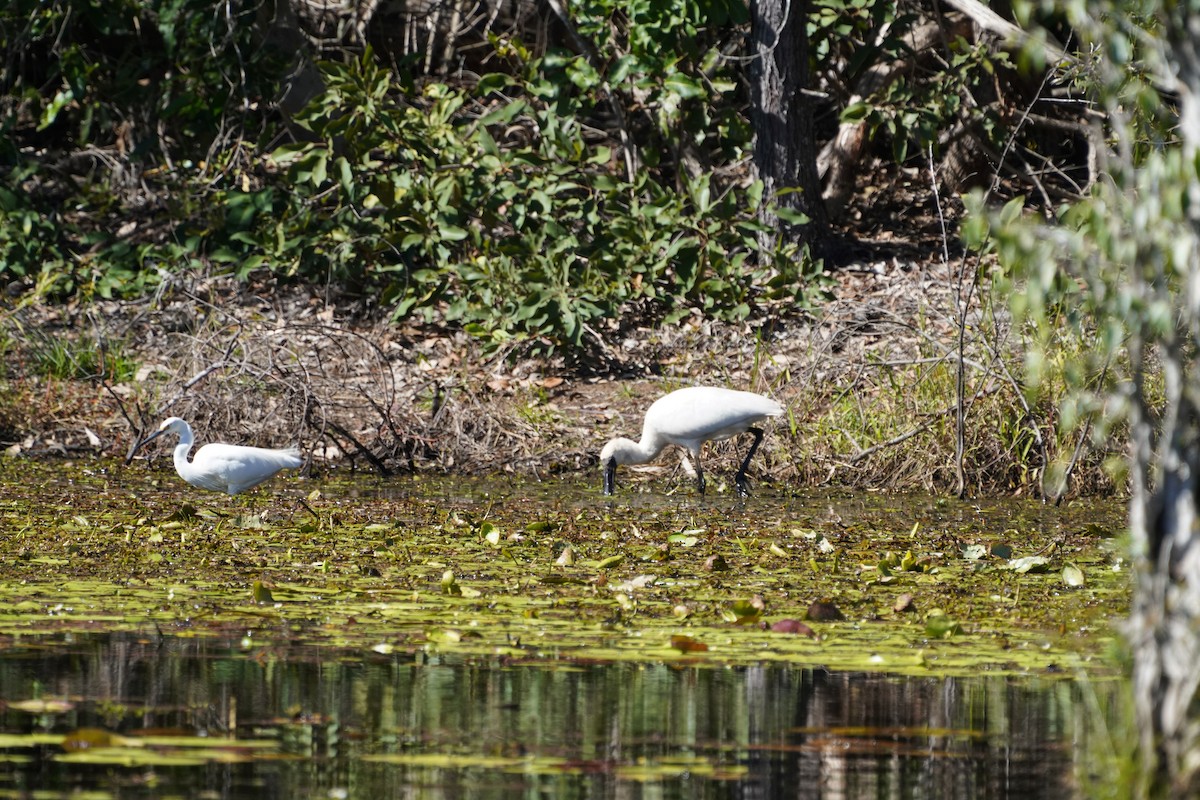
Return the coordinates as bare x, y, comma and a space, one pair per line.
1118, 279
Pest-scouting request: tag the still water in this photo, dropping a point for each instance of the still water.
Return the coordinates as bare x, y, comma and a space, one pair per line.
431, 638
244, 717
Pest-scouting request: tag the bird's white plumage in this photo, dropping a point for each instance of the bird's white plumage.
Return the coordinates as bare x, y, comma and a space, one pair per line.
688, 418
230, 468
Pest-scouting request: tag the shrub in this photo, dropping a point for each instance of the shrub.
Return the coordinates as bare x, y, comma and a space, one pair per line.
417, 202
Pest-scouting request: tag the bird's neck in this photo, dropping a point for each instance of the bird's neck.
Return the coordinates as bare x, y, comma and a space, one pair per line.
181, 456
645, 450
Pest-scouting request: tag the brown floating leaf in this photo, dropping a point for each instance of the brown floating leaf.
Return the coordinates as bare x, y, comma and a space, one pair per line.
824, 611
793, 626
904, 603
88, 738
686, 644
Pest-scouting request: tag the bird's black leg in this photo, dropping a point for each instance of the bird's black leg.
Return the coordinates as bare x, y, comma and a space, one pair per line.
743, 487
699, 476
610, 476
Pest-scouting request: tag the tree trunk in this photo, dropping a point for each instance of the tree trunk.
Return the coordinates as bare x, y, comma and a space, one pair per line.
1166, 608
785, 150
1164, 627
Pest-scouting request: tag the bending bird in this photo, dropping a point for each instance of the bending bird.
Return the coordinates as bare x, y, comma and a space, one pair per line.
689, 418
230, 468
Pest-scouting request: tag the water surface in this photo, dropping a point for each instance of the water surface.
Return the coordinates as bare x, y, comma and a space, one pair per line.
454, 637
289, 722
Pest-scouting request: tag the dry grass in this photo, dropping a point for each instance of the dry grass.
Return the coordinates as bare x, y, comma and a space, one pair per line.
869, 386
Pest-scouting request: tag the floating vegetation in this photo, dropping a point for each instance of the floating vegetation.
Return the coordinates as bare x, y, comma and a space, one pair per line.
495, 636
553, 571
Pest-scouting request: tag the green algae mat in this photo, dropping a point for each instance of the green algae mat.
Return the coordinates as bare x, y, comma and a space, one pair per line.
552, 571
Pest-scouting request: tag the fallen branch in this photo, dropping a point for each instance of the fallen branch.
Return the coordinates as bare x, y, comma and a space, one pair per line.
359, 446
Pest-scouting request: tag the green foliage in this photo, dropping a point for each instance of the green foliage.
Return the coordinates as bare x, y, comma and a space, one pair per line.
102, 96
917, 103
1114, 271
29, 239
665, 64
39, 247
1121, 271
160, 73
496, 208
6, 348
418, 203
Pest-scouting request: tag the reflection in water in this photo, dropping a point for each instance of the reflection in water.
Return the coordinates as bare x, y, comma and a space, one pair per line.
375, 726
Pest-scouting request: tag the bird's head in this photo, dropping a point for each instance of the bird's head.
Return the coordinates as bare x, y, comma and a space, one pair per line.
171, 425
615, 452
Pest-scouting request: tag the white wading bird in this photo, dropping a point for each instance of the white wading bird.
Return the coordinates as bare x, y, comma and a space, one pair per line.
219, 467
689, 418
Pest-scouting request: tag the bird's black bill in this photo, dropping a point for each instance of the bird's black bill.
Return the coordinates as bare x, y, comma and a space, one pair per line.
141, 444
610, 476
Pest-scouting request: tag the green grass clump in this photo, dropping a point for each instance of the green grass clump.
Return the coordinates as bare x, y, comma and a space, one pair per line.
61, 358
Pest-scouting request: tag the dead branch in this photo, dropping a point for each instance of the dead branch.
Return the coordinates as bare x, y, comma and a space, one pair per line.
992, 22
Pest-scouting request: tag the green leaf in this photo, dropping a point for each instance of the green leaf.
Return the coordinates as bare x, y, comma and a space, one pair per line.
1032, 564
624, 66
855, 112
683, 86
50, 113
1012, 211
345, 174
494, 81
974, 552
451, 233
939, 626
792, 217
319, 169
611, 561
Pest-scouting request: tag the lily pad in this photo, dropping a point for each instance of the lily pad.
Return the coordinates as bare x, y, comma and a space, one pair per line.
1034, 564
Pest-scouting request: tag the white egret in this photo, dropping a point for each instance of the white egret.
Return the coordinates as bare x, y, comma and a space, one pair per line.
230, 468
689, 418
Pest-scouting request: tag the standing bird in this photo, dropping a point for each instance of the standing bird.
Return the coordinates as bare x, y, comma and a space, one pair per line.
219, 467
689, 418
